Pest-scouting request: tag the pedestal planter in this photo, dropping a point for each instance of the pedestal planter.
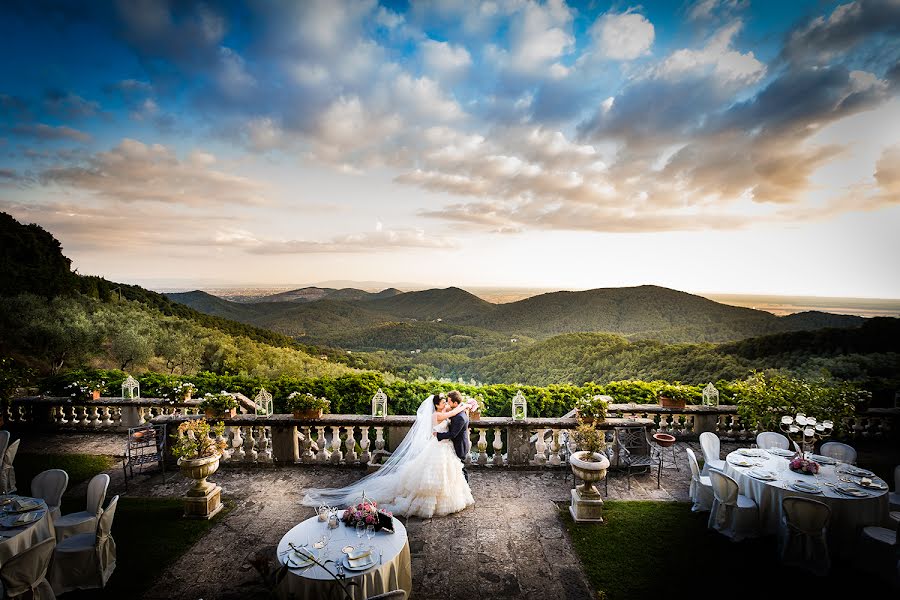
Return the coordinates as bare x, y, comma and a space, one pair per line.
475, 416
309, 413
667, 402
587, 505
204, 499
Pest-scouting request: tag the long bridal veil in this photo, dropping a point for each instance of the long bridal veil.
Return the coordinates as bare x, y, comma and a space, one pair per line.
380, 485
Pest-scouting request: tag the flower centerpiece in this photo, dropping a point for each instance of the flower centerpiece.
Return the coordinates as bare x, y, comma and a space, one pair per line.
307, 406
85, 389
198, 447
219, 405
367, 513
591, 409
804, 466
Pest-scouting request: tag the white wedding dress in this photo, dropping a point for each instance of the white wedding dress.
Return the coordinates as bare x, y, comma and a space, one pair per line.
423, 477
433, 484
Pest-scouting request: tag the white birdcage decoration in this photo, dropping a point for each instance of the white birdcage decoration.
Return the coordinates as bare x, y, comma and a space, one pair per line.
263, 402
710, 395
131, 389
519, 406
379, 404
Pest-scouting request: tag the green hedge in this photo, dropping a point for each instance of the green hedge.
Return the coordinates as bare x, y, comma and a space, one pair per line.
761, 398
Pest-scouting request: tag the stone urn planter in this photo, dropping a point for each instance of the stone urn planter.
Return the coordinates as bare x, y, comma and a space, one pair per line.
667, 402
587, 505
475, 416
204, 499
95, 395
309, 413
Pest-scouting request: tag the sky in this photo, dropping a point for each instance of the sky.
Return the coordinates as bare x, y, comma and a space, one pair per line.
741, 146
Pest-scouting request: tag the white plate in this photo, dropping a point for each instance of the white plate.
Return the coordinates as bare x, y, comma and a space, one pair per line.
780, 452
741, 462
851, 470
762, 475
12, 521
809, 489
299, 560
823, 460
750, 452
363, 567
852, 492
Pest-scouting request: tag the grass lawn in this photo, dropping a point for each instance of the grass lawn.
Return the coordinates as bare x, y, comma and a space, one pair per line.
80, 467
656, 549
150, 533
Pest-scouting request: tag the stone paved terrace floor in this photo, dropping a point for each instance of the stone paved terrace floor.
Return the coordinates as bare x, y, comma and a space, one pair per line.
511, 544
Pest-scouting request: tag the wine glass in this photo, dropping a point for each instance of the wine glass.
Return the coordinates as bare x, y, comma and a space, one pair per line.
370, 533
360, 530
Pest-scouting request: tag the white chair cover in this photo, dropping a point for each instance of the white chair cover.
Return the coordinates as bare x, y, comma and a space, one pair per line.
733, 515
84, 521
50, 485
8, 474
27, 572
772, 439
709, 444
4, 442
86, 560
878, 551
802, 537
839, 451
894, 496
701, 488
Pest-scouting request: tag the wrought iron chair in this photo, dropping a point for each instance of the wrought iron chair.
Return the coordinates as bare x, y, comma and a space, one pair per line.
633, 450
145, 445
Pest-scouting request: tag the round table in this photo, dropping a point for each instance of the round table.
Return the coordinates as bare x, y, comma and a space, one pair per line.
16, 540
848, 514
394, 571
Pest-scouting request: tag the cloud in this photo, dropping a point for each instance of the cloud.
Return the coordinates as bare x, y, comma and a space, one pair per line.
716, 58
51, 132
443, 59
67, 105
849, 25
539, 35
707, 10
381, 240
622, 36
136, 172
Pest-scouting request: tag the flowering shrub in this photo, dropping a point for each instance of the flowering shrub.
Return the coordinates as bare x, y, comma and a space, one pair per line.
365, 512
192, 440
301, 401
218, 402
803, 465
592, 407
84, 389
180, 390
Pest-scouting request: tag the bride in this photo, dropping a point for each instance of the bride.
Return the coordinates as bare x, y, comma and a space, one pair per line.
422, 478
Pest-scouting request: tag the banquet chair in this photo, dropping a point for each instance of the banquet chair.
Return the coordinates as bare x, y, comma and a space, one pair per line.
25, 574
879, 551
50, 486
894, 497
710, 445
393, 595
772, 439
802, 536
84, 521
839, 451
8, 474
86, 560
4, 442
733, 515
701, 487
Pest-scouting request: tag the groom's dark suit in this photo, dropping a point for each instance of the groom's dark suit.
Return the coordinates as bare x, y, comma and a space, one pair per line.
459, 433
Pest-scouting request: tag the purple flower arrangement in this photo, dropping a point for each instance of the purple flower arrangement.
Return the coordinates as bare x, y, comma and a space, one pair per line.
366, 512
803, 465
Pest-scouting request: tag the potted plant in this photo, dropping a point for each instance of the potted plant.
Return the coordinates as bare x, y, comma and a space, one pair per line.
589, 463
478, 406
183, 391
86, 389
674, 396
198, 447
591, 409
217, 406
307, 406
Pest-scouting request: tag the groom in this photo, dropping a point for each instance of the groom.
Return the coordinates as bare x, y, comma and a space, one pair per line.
458, 431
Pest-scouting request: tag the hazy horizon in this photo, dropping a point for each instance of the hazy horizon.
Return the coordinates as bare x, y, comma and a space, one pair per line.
741, 147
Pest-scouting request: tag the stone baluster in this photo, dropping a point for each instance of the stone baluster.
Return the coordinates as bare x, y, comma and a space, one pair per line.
540, 447
95, 416
309, 455
322, 456
265, 448
555, 458
364, 444
498, 448
250, 452
237, 442
336, 454
350, 444
482, 446
223, 440
379, 438
59, 416
107, 416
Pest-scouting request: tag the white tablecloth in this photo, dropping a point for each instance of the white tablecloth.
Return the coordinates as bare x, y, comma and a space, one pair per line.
848, 515
395, 572
18, 540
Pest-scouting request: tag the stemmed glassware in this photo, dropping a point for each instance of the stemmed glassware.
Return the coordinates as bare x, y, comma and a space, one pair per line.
370, 533
360, 530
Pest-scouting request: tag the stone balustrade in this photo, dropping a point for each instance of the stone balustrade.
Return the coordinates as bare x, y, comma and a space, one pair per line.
361, 440
103, 414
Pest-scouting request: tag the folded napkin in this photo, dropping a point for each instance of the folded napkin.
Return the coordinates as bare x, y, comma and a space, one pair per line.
26, 518
364, 561
357, 553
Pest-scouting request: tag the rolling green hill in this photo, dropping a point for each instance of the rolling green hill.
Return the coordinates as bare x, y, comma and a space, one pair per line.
312, 294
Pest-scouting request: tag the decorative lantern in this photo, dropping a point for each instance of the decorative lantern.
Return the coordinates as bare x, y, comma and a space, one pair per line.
131, 389
263, 401
519, 406
710, 395
379, 404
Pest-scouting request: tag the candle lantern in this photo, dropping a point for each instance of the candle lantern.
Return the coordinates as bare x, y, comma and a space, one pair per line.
263, 402
519, 406
710, 395
131, 389
379, 404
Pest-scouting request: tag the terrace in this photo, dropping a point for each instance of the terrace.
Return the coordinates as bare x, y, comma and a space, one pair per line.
517, 541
